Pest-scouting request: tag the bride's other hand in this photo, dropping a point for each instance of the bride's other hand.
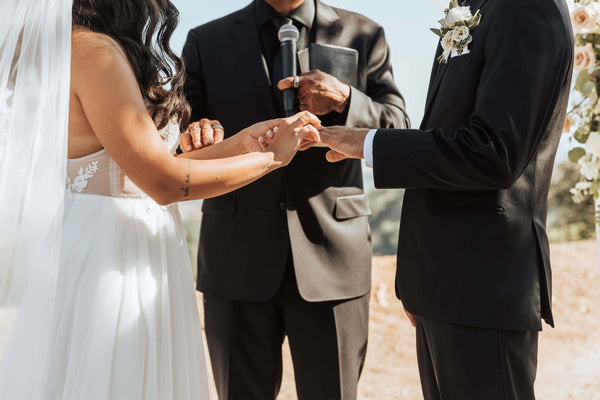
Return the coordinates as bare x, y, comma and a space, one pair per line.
205, 132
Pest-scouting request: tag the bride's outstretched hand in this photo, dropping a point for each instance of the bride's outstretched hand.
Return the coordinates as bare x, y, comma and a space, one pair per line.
284, 137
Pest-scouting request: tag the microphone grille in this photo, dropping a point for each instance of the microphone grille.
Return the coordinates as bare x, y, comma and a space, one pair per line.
288, 32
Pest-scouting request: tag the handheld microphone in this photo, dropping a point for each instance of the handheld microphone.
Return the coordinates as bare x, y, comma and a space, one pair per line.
288, 36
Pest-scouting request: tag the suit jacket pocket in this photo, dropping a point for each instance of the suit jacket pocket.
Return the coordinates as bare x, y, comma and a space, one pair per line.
460, 62
347, 207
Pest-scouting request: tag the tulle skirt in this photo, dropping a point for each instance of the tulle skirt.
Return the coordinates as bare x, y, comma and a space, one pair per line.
125, 323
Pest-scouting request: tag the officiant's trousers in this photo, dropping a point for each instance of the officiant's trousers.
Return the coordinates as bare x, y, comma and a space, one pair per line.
458, 362
328, 344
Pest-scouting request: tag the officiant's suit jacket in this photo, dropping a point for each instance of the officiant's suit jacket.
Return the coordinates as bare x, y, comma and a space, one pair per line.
311, 208
473, 248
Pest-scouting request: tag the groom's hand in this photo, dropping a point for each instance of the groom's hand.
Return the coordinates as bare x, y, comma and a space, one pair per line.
200, 134
411, 318
319, 92
344, 142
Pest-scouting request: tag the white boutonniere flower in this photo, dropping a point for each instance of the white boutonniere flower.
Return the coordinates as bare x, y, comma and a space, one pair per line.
456, 29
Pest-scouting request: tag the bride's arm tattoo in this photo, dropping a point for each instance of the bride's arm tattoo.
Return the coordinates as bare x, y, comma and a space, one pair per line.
186, 189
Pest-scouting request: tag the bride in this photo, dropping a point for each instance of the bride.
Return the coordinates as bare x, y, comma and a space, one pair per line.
97, 281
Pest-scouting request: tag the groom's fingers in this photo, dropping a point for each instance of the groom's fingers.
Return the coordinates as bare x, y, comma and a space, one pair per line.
310, 133
334, 156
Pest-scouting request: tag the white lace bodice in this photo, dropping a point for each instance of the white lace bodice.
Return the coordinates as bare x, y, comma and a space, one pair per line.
99, 174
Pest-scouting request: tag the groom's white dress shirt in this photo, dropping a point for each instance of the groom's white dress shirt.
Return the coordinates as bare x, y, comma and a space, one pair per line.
368, 147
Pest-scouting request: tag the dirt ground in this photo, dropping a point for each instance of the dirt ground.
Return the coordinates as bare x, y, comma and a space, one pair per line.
569, 356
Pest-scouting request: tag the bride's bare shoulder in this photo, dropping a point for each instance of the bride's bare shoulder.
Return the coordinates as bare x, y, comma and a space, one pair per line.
92, 48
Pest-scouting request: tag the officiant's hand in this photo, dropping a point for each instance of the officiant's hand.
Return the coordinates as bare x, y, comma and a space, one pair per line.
344, 142
200, 134
319, 92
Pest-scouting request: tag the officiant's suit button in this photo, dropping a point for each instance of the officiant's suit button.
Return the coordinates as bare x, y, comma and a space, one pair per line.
282, 205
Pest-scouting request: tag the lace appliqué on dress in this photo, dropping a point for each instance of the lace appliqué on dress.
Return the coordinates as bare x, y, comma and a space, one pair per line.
80, 182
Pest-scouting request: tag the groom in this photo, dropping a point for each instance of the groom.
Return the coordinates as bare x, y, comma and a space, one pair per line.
473, 258
290, 254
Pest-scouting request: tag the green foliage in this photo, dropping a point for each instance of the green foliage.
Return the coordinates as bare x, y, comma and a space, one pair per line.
576, 153
437, 32
568, 221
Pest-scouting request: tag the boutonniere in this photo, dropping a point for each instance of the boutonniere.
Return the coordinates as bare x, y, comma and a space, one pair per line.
456, 29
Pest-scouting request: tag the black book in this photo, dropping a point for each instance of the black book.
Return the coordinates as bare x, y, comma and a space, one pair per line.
340, 62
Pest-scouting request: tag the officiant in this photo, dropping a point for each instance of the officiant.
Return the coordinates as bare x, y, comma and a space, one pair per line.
290, 255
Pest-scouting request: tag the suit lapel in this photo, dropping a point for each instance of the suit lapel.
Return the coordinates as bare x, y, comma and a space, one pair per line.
436, 78
246, 36
327, 24
440, 69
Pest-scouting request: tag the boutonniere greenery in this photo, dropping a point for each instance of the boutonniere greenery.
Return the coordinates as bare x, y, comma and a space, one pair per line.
456, 29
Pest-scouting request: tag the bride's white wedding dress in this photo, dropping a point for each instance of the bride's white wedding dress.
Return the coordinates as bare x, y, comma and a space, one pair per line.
125, 324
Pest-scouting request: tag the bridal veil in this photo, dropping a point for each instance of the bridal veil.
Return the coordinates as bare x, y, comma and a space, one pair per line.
35, 56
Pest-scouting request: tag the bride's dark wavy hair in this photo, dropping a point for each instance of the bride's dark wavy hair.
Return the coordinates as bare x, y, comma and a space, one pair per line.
143, 28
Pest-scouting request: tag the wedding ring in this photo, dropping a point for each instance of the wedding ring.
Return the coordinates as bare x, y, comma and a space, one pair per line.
296, 82
218, 126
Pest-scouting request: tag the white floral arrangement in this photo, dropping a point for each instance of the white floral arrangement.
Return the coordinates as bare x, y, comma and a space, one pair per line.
583, 120
456, 28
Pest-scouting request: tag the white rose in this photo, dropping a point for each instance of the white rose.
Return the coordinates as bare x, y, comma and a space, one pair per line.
448, 46
590, 167
585, 18
448, 42
593, 144
460, 33
583, 186
457, 14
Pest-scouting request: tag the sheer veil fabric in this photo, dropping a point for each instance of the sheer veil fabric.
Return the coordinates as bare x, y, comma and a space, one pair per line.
35, 58
97, 299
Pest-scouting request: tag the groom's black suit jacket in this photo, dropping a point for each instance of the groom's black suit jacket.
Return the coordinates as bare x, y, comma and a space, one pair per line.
316, 209
473, 248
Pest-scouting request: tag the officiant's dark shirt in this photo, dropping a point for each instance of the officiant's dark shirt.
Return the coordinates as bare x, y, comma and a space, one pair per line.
302, 17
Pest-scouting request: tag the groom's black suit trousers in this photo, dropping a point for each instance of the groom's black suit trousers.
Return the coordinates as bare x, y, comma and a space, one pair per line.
458, 362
